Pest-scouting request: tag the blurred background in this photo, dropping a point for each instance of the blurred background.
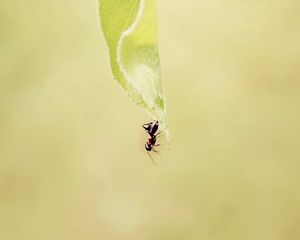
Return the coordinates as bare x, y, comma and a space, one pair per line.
72, 158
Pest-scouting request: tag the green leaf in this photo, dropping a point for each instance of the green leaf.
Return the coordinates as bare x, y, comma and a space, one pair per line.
130, 30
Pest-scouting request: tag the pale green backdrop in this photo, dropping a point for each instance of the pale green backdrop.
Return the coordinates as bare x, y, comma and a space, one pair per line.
72, 159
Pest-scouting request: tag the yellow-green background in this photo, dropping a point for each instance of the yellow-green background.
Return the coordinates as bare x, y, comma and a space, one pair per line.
72, 159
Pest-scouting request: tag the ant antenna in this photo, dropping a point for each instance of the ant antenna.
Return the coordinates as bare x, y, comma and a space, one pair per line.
151, 158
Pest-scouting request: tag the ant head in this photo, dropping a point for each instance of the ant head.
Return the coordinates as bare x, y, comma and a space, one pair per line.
148, 147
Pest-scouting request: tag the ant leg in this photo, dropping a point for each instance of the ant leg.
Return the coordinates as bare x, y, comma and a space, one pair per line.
146, 126
158, 133
161, 144
161, 131
155, 151
151, 158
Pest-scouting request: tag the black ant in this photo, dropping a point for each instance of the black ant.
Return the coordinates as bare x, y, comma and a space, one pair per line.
151, 129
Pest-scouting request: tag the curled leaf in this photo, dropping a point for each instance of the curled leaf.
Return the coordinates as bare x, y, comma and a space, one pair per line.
130, 30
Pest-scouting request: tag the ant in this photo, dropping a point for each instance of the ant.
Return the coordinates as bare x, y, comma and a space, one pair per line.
151, 128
